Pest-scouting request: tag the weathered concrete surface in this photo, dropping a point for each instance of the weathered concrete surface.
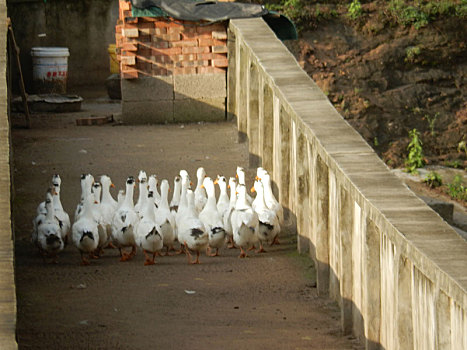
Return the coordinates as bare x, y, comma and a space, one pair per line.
397, 270
174, 98
85, 27
199, 86
7, 280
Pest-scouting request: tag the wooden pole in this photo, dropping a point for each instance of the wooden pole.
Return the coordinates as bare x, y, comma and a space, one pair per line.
24, 95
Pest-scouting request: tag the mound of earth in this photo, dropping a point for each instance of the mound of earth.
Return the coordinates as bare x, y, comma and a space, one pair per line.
387, 80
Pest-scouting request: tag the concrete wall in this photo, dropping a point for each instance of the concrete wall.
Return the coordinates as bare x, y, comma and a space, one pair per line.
7, 275
397, 270
86, 27
174, 99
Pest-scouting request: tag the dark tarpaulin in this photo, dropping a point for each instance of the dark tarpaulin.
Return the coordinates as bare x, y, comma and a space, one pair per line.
212, 11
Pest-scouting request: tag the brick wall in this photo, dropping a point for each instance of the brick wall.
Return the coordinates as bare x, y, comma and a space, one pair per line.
157, 46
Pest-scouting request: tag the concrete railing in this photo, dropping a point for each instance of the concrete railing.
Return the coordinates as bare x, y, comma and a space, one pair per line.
7, 276
397, 270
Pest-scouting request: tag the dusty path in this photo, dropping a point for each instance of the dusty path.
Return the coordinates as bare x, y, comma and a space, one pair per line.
267, 301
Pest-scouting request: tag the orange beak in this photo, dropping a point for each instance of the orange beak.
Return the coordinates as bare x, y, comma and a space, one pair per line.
236, 175
257, 178
112, 185
202, 186
216, 182
253, 189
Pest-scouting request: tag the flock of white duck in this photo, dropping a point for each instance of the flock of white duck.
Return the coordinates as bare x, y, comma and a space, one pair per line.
196, 219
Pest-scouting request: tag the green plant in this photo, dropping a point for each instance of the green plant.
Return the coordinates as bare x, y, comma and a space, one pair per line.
453, 163
431, 122
462, 146
411, 54
375, 142
354, 10
415, 158
433, 179
456, 189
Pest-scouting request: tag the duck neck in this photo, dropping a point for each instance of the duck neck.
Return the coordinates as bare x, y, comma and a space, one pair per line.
128, 201
56, 199
106, 196
87, 206
164, 202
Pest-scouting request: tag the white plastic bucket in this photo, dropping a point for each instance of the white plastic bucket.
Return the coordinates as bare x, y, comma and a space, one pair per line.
49, 69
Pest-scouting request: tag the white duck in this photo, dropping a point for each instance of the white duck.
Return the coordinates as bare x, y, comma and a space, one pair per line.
176, 193
200, 192
244, 222
47, 234
228, 214
271, 201
191, 230
124, 223
108, 206
165, 218
223, 202
152, 185
212, 219
86, 182
60, 214
269, 227
241, 181
183, 205
97, 214
84, 231
148, 234
143, 191
120, 198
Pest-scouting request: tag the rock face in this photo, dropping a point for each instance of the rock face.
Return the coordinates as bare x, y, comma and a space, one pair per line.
387, 80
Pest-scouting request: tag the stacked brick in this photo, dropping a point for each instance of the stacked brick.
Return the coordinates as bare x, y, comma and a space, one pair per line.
159, 46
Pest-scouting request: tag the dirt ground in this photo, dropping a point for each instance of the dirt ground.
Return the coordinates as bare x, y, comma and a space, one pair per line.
267, 301
388, 79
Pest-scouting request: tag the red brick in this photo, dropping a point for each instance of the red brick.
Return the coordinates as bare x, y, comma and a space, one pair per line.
219, 49
178, 58
172, 24
128, 60
184, 43
130, 32
174, 37
195, 49
211, 56
219, 35
174, 30
210, 28
167, 52
159, 71
145, 38
144, 66
144, 51
151, 19
129, 47
211, 42
209, 70
129, 74
163, 59
161, 45
124, 5
220, 62
161, 24
161, 31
